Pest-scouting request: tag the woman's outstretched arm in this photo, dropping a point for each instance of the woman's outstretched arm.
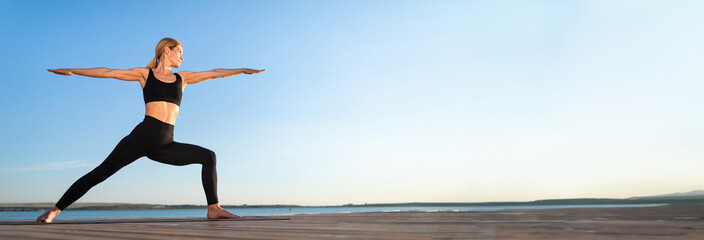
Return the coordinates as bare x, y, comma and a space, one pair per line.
196, 77
134, 74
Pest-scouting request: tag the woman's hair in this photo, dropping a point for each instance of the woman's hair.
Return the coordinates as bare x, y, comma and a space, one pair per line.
170, 42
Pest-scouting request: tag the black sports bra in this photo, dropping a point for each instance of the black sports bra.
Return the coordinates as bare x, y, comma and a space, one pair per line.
155, 90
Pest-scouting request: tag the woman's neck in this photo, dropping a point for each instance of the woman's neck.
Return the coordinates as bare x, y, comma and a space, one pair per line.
162, 69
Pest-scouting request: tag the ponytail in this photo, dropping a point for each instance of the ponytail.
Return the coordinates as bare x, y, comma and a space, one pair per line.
153, 63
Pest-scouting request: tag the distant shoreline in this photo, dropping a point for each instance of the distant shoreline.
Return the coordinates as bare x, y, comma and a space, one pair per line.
552, 202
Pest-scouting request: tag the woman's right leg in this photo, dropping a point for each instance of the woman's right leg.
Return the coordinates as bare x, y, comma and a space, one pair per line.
127, 151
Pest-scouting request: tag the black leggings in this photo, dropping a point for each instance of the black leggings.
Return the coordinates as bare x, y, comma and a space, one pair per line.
154, 139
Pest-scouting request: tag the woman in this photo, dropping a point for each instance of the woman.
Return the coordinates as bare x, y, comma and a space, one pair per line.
153, 137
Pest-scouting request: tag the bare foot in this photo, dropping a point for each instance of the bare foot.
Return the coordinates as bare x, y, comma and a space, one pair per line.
215, 211
48, 216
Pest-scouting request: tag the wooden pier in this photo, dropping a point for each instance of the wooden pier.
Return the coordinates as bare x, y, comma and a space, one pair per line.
664, 222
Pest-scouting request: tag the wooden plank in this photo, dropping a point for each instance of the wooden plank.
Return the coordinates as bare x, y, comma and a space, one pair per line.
666, 222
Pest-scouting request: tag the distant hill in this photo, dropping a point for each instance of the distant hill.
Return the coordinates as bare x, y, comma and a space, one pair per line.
696, 194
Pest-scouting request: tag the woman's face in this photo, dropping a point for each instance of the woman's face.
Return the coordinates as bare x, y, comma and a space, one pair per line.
175, 56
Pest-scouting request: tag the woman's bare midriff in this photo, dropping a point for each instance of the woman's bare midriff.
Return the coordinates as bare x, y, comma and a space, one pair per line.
163, 111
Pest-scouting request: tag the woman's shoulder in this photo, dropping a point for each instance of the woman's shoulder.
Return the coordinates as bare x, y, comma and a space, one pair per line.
142, 71
185, 74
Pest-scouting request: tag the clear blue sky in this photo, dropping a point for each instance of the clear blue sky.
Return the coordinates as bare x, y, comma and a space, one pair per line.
364, 101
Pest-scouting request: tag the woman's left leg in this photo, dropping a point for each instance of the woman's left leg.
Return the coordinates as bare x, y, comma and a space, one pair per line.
180, 154
183, 154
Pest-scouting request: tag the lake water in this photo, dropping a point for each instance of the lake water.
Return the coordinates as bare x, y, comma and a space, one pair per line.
162, 213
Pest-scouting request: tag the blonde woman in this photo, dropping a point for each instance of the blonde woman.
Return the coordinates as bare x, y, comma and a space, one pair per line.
153, 137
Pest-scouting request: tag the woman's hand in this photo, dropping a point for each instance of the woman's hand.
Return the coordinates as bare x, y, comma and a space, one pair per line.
251, 71
62, 71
